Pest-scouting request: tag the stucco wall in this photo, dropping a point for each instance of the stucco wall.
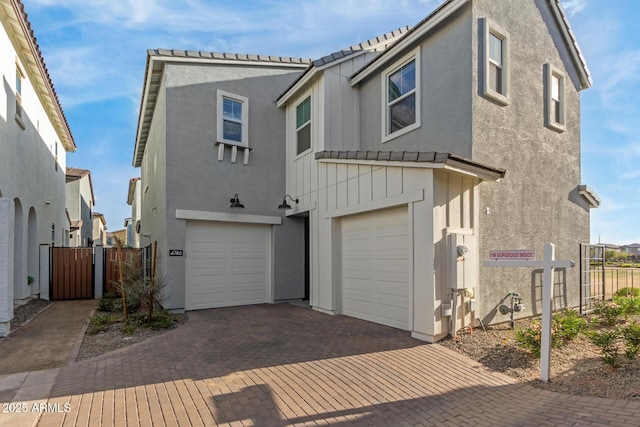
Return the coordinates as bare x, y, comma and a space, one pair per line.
29, 173
445, 94
536, 202
196, 180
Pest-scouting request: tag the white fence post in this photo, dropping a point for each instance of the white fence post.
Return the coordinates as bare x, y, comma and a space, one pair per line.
45, 270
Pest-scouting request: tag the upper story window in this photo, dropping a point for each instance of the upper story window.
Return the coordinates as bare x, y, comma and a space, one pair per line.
303, 126
495, 45
233, 118
554, 98
401, 97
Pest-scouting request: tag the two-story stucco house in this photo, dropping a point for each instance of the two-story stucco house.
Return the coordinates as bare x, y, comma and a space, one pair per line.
406, 159
80, 201
34, 140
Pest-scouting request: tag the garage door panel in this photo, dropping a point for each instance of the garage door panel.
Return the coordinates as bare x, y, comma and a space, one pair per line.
375, 262
227, 264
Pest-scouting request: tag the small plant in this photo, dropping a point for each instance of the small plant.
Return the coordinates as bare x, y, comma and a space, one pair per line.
630, 305
607, 341
631, 334
107, 304
607, 312
30, 280
99, 323
628, 292
129, 328
568, 324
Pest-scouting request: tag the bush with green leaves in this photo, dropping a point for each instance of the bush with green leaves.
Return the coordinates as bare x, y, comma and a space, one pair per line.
630, 306
607, 312
567, 324
609, 343
631, 335
99, 323
628, 292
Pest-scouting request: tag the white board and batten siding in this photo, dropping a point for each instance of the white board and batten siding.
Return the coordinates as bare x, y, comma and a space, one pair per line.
228, 264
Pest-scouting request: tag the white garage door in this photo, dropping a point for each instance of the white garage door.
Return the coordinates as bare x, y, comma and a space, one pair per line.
375, 267
227, 264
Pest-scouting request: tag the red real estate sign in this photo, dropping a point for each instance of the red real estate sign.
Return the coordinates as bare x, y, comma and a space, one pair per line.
513, 255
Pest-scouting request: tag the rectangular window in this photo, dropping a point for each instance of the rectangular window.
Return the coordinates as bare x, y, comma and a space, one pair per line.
554, 98
233, 118
303, 126
495, 72
401, 99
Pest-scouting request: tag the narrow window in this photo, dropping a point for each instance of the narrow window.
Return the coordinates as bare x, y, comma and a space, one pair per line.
19, 79
401, 98
554, 98
233, 118
494, 42
303, 126
495, 63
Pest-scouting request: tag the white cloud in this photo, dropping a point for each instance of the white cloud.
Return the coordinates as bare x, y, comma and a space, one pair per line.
571, 7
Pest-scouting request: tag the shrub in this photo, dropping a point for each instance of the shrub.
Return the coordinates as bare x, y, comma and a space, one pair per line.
631, 334
107, 304
607, 341
607, 312
628, 292
629, 305
568, 324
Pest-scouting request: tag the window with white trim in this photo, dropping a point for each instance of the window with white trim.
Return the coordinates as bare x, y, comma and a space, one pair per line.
233, 118
495, 45
554, 98
303, 126
401, 101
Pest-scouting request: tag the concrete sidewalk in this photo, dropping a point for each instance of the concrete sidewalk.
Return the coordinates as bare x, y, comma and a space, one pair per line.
31, 357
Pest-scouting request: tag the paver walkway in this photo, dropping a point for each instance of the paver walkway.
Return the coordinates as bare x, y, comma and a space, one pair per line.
280, 365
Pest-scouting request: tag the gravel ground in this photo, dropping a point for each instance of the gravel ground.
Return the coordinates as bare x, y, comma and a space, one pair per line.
25, 312
575, 369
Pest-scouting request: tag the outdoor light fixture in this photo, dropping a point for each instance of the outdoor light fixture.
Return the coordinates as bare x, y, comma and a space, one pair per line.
286, 205
235, 202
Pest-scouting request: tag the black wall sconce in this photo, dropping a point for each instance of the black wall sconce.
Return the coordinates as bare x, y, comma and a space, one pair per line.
286, 205
235, 202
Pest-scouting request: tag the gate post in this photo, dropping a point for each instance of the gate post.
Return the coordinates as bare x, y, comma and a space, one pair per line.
45, 270
98, 264
6, 265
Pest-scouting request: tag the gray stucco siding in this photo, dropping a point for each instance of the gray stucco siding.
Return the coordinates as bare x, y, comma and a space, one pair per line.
535, 203
445, 94
196, 180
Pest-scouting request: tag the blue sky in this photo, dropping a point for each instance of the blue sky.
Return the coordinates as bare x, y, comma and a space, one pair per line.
95, 51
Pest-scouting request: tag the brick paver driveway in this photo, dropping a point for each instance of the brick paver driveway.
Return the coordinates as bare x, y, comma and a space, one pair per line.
279, 365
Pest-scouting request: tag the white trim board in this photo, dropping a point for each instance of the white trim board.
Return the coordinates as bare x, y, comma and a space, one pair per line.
388, 202
227, 217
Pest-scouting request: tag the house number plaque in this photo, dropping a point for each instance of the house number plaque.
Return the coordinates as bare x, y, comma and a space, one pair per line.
176, 252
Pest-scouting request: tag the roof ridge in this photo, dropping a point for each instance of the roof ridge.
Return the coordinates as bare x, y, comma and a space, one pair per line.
180, 53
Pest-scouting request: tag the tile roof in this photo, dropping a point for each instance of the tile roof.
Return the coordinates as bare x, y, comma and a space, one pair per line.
175, 53
409, 156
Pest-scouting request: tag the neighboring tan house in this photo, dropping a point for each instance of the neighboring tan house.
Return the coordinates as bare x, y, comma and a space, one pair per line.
114, 237
80, 201
407, 159
633, 250
134, 199
99, 232
34, 140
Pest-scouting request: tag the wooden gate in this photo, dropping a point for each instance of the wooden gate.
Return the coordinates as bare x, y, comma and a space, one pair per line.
129, 256
72, 273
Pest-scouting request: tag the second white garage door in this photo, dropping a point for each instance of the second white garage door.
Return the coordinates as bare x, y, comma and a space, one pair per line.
375, 267
227, 264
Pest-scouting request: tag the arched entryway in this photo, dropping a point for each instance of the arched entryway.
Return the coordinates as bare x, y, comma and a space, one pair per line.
20, 287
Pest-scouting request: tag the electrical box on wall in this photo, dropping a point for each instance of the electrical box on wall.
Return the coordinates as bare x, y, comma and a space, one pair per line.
462, 260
